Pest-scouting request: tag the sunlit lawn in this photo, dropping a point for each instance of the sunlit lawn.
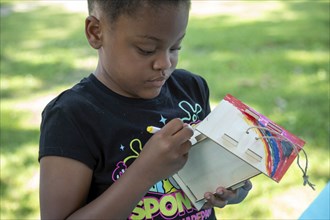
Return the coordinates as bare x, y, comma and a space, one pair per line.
273, 55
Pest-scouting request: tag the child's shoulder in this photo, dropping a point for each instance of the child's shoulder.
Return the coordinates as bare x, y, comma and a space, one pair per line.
184, 74
187, 78
71, 99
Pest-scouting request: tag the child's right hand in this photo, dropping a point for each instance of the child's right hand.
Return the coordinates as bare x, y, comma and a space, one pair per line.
166, 152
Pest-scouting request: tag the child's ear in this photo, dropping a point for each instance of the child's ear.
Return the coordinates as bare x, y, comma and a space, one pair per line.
93, 32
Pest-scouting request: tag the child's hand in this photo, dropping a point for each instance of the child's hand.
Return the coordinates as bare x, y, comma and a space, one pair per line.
224, 196
219, 199
166, 152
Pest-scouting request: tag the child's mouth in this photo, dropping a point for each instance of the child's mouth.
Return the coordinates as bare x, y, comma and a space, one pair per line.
158, 82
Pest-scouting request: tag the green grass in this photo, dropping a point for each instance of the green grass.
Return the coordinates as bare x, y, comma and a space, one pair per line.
277, 62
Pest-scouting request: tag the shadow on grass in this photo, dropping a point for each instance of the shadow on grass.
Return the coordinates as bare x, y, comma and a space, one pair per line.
251, 60
21, 211
43, 43
13, 138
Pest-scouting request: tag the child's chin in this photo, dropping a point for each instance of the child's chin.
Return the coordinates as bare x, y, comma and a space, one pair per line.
150, 94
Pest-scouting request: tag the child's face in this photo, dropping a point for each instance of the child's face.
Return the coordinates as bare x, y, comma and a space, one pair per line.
139, 53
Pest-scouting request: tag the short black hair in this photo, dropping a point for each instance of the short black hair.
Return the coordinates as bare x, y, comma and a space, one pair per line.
114, 8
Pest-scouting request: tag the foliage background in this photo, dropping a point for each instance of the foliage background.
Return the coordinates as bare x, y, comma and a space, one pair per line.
273, 55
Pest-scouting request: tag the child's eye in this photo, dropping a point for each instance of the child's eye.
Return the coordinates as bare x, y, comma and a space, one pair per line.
145, 52
175, 49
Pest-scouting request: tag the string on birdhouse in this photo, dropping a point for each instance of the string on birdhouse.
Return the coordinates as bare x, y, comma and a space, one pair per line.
296, 148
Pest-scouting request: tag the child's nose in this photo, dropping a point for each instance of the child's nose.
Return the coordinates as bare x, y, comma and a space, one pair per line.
163, 61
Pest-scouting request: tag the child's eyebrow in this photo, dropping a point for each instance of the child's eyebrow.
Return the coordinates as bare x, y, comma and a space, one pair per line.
148, 37
157, 39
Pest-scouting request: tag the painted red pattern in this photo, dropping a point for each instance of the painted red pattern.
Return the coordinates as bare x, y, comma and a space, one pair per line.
276, 163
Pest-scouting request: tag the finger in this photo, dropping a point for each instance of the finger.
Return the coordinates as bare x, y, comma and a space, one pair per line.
184, 134
213, 200
207, 205
185, 147
172, 127
225, 194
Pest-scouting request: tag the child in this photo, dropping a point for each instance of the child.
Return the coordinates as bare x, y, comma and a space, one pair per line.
97, 161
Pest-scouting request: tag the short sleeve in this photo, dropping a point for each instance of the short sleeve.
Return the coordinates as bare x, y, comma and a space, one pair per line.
61, 135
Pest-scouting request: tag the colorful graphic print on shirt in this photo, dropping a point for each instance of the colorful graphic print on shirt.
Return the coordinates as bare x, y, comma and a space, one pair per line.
165, 199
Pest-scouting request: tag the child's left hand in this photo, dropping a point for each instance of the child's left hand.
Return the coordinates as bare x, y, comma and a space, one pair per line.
224, 196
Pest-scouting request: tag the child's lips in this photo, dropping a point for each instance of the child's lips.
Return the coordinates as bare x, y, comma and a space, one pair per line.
158, 82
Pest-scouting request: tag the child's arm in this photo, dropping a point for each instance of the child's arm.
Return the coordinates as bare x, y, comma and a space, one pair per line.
64, 183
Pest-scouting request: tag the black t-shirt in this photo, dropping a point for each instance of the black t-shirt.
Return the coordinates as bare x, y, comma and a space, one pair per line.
106, 131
